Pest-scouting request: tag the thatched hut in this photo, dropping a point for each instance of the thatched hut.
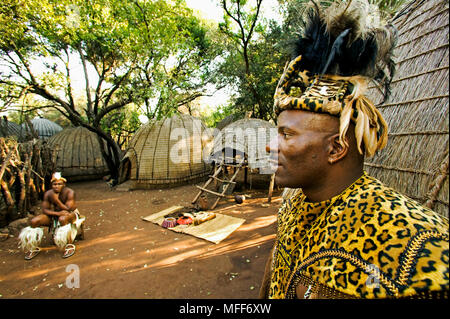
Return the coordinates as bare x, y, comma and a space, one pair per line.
416, 158
79, 156
9, 129
228, 120
167, 153
43, 127
246, 137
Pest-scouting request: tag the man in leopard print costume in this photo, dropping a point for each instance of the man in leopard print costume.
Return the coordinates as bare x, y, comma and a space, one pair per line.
342, 233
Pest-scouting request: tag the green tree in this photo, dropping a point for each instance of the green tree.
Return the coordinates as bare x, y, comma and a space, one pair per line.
261, 49
126, 50
253, 58
121, 124
240, 22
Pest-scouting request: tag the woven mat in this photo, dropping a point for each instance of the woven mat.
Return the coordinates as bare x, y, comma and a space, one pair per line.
214, 230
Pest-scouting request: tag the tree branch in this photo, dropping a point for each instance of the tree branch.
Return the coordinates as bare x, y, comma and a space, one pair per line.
72, 113
19, 71
110, 108
116, 87
69, 81
191, 98
86, 76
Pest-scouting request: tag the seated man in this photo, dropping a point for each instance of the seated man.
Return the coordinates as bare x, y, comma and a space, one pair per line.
60, 214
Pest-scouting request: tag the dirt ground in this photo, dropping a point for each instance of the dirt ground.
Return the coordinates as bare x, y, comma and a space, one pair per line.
123, 256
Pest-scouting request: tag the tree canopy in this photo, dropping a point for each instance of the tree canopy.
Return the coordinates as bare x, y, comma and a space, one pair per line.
102, 63
149, 53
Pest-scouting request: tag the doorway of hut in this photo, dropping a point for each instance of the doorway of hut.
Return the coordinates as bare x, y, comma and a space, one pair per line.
125, 170
246, 179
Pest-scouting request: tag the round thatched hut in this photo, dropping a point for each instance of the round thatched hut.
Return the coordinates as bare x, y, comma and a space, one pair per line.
167, 153
79, 156
415, 161
43, 127
246, 137
227, 120
8, 128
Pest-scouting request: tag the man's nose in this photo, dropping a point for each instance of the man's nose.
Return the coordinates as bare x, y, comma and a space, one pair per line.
272, 147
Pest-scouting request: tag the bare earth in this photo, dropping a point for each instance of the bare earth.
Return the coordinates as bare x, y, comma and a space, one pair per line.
123, 256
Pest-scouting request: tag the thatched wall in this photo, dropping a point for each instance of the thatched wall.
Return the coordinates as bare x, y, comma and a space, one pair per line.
8, 128
249, 136
415, 160
79, 156
167, 153
227, 120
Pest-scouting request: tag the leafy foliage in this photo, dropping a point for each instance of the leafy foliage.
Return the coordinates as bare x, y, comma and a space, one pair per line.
152, 53
134, 57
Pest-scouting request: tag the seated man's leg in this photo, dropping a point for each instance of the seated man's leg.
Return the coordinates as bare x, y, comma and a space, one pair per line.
67, 219
41, 220
30, 237
66, 233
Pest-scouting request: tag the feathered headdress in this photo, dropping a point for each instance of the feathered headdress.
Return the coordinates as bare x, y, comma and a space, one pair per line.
58, 177
341, 50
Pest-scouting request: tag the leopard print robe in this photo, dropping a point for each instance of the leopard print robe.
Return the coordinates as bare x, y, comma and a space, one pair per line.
367, 242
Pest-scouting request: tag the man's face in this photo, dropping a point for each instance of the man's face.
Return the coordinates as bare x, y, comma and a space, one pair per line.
57, 186
301, 148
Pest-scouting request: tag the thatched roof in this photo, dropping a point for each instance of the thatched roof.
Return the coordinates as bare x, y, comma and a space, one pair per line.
79, 156
249, 136
167, 152
415, 160
8, 128
227, 120
43, 127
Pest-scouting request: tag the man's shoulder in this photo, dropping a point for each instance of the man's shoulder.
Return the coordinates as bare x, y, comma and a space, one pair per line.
404, 240
375, 232
374, 199
48, 193
68, 190
370, 206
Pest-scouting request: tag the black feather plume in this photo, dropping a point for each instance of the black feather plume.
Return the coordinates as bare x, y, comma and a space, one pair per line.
313, 45
342, 46
336, 49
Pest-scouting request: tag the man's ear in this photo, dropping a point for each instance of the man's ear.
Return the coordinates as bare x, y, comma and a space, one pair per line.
336, 149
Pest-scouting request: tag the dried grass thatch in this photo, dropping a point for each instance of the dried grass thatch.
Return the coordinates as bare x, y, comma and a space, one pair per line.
9, 129
249, 136
43, 127
227, 120
167, 153
415, 161
79, 156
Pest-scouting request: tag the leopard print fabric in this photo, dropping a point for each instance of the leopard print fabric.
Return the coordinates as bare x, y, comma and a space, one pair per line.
368, 242
315, 93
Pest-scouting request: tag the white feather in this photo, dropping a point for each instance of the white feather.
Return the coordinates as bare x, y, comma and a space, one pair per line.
30, 238
64, 235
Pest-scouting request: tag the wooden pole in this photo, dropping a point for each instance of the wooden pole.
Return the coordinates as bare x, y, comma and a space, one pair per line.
245, 176
2, 170
272, 182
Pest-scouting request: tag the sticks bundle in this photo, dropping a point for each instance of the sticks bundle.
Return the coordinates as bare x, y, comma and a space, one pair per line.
25, 174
